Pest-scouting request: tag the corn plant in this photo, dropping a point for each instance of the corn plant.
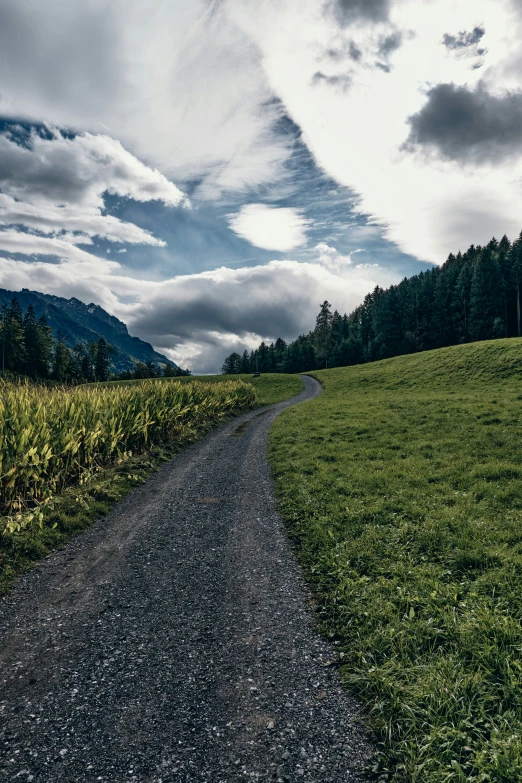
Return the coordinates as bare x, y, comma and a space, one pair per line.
53, 438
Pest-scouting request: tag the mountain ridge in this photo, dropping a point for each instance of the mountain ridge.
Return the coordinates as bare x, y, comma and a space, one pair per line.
73, 321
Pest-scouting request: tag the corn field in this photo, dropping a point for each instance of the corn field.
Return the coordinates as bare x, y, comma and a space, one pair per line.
54, 438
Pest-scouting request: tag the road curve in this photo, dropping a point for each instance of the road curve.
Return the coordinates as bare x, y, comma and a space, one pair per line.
173, 640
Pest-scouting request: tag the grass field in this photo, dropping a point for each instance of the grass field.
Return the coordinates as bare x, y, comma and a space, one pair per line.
401, 486
269, 387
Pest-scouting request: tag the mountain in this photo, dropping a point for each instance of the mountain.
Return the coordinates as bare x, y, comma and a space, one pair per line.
73, 322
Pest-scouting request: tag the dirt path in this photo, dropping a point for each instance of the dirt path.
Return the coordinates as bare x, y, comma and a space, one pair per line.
173, 642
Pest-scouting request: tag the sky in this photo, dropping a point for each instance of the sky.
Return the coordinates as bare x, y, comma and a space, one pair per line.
210, 171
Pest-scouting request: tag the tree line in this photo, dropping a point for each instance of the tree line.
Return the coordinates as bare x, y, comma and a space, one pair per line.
473, 296
28, 348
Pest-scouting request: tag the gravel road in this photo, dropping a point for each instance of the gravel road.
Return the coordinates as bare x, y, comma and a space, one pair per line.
174, 641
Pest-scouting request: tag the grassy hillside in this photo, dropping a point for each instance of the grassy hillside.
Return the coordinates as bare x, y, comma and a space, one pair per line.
269, 387
401, 485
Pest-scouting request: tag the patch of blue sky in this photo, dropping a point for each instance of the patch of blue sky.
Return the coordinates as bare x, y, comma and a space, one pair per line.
200, 239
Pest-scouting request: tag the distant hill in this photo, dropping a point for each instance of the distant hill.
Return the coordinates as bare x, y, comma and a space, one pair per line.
74, 322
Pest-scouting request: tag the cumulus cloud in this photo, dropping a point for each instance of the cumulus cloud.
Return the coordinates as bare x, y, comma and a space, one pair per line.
330, 258
198, 319
79, 170
54, 185
271, 228
468, 125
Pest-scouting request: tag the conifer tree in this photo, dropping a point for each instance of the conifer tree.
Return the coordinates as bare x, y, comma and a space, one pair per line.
323, 325
102, 361
62, 362
13, 342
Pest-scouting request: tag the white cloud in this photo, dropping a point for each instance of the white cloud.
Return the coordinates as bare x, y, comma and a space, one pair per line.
178, 83
272, 228
197, 319
55, 185
427, 207
52, 219
13, 241
329, 257
78, 171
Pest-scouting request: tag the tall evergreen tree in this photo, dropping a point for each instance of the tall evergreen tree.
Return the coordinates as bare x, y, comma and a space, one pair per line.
38, 345
245, 362
485, 297
62, 362
13, 342
323, 326
102, 360
232, 364
515, 265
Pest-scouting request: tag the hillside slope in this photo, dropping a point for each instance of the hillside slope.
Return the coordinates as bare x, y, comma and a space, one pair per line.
73, 321
402, 487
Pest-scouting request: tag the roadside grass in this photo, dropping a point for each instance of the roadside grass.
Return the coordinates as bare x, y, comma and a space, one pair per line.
269, 387
401, 487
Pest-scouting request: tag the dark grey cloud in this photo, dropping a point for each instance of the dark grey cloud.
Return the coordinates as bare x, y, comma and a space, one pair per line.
354, 52
468, 125
348, 11
464, 39
350, 49
390, 43
340, 80
267, 300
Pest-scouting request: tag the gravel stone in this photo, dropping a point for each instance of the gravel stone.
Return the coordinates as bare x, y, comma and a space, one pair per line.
173, 640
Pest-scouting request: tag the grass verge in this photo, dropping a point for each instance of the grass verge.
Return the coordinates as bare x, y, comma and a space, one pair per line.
401, 486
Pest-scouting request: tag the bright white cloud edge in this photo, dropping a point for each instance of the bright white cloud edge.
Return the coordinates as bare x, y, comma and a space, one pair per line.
270, 228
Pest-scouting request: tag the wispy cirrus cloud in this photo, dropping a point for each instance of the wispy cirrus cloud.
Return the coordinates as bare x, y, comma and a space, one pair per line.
179, 84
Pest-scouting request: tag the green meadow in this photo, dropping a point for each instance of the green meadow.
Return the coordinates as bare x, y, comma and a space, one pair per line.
401, 487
